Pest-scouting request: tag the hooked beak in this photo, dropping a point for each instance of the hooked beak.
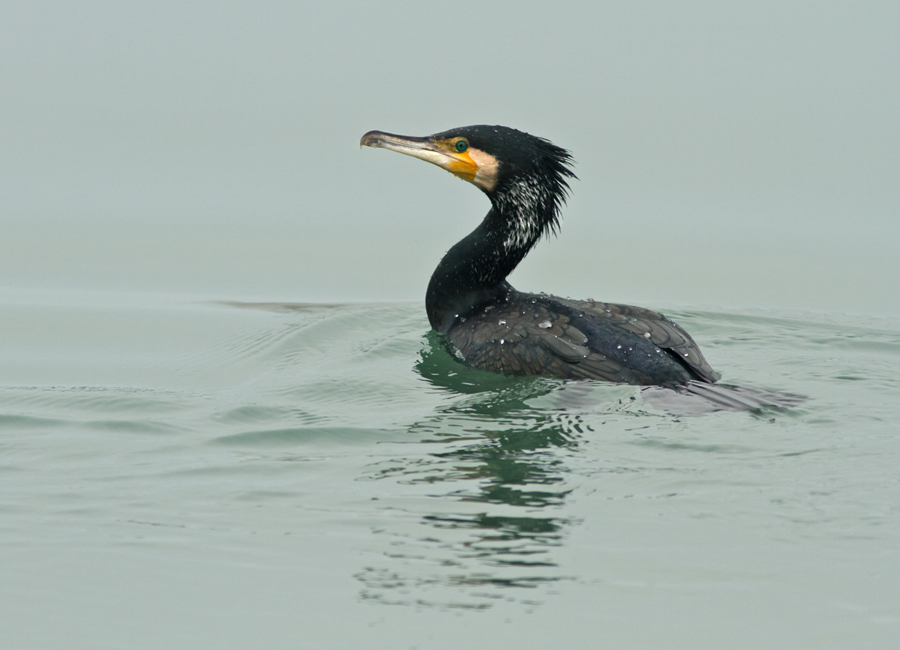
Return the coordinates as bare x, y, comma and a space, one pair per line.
437, 152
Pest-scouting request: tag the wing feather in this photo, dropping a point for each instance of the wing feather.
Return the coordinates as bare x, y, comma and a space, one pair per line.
537, 334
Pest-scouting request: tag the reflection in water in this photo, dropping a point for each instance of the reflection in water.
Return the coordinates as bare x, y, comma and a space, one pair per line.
502, 465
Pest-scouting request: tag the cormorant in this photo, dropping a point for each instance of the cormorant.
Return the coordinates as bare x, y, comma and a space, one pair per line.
491, 326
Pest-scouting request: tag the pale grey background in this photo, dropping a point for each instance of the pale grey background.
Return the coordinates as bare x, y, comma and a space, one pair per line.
731, 154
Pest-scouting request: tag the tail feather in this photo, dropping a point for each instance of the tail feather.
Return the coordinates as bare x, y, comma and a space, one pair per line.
697, 397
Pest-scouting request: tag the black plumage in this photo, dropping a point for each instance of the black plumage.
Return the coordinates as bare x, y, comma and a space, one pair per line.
491, 326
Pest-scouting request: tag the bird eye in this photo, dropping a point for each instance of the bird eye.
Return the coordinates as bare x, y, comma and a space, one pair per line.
461, 145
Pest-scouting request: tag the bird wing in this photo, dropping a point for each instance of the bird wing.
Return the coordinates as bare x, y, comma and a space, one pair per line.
579, 340
535, 339
662, 332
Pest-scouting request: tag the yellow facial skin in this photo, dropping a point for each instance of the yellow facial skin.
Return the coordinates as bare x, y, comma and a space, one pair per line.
459, 163
472, 165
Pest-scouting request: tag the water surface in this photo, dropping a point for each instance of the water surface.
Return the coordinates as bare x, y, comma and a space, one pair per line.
177, 472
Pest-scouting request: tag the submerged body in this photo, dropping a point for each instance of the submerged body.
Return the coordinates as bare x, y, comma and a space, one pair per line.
532, 334
491, 326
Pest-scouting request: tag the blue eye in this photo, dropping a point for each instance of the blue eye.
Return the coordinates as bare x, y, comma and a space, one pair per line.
461, 145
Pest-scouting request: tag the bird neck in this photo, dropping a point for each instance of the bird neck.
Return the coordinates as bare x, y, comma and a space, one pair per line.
473, 272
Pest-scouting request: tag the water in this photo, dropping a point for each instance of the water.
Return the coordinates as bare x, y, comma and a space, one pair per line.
176, 472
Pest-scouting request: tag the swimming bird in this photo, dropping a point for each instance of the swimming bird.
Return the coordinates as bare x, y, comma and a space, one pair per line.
490, 325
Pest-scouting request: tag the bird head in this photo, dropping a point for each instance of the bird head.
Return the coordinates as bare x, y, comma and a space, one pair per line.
490, 157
